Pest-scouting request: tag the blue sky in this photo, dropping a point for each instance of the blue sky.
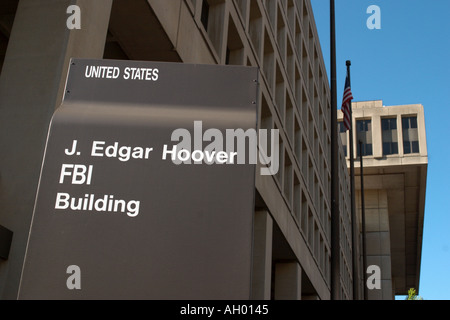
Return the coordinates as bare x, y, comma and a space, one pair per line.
407, 61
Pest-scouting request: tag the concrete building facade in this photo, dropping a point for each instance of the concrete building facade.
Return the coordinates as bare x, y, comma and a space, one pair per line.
292, 247
394, 149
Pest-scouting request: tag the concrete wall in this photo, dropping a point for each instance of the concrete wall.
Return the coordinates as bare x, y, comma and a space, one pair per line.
279, 37
378, 243
31, 88
395, 187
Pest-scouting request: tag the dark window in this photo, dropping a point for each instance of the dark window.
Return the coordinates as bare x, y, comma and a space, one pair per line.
415, 146
364, 134
390, 148
410, 135
205, 14
227, 56
343, 136
389, 136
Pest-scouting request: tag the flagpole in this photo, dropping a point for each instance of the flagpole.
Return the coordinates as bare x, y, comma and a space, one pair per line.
363, 221
352, 197
335, 238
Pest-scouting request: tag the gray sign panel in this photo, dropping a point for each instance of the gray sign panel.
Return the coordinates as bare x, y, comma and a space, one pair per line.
115, 217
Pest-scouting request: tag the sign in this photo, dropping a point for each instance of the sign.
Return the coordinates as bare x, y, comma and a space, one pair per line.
125, 209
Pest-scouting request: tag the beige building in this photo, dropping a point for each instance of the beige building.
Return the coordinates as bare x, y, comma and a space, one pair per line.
394, 149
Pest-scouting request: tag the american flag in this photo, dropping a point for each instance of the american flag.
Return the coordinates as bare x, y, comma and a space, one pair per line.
346, 100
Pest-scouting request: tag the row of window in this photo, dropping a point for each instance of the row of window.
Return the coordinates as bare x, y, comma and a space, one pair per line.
389, 136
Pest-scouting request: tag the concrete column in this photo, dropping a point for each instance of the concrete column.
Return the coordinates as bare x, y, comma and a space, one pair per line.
377, 140
378, 242
262, 256
400, 135
191, 44
31, 88
288, 281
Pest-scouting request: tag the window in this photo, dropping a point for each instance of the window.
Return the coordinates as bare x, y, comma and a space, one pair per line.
343, 136
204, 17
389, 136
410, 135
364, 134
212, 17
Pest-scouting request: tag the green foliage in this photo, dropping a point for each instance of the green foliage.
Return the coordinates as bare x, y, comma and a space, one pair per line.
412, 295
